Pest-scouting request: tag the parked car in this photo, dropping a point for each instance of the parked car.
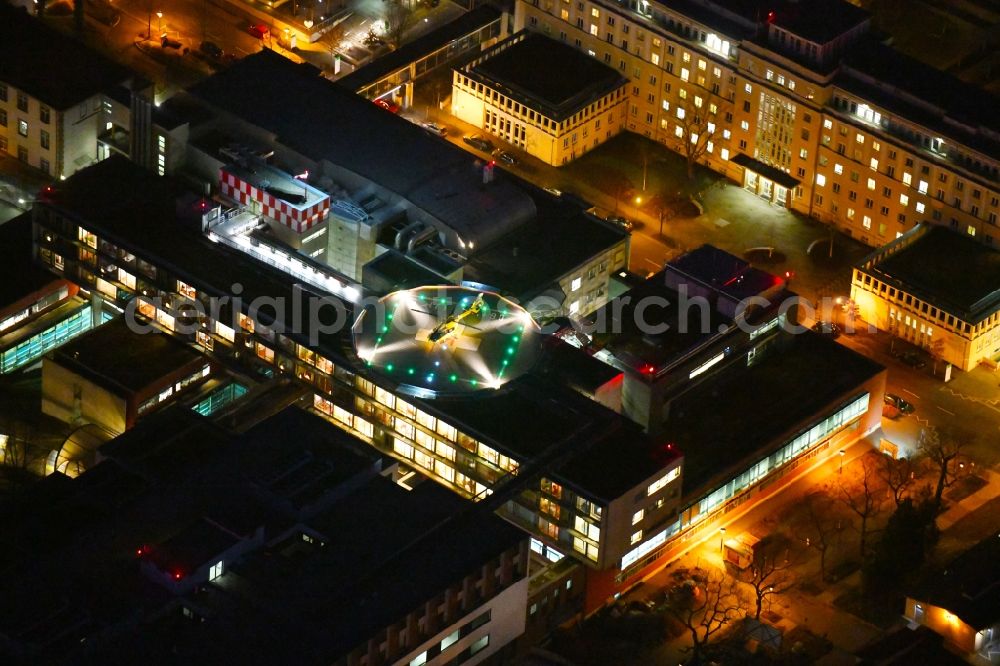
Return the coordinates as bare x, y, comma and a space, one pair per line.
435, 129
900, 404
626, 224
911, 358
211, 49
505, 157
827, 328
389, 106
553, 191
260, 30
479, 143
168, 43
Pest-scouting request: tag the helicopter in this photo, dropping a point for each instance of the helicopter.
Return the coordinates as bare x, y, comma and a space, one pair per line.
451, 326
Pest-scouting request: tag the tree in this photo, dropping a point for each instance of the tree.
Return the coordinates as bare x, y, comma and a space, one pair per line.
822, 526
768, 573
942, 453
332, 39
863, 500
909, 535
698, 126
704, 609
398, 18
898, 475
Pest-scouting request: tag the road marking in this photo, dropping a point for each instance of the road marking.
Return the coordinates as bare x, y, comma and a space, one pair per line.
654, 263
946, 411
911, 393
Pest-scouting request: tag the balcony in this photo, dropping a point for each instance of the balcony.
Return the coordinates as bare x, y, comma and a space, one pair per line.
116, 139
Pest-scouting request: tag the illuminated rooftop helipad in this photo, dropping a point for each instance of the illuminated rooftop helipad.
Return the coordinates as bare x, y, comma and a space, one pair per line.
447, 340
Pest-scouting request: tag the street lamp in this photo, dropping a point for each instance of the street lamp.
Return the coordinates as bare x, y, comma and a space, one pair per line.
722, 538
638, 201
159, 22
842, 453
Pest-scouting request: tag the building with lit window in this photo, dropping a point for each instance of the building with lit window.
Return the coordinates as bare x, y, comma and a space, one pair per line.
430, 205
59, 119
611, 466
960, 602
912, 289
284, 543
113, 376
798, 103
542, 96
38, 310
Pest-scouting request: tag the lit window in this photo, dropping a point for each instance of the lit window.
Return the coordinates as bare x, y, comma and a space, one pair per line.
636, 537
747, 88
907, 178
923, 187
666, 105
680, 113
686, 57
702, 64
694, 138
867, 222
215, 571
593, 30
679, 131
574, 307
871, 183
595, 12
820, 179
971, 230
638, 515
827, 124
724, 153
660, 483
726, 134
685, 74
744, 125
838, 169
860, 138
874, 164
575, 284
903, 199
769, 75
920, 207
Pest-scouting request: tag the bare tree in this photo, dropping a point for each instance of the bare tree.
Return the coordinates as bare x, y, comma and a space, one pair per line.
332, 40
697, 126
898, 475
823, 526
705, 609
398, 18
768, 573
942, 453
864, 500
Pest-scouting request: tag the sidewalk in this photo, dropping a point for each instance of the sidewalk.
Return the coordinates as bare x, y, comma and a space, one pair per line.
959, 510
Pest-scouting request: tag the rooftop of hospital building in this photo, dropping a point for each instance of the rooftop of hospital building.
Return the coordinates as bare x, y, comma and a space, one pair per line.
548, 76
124, 360
922, 263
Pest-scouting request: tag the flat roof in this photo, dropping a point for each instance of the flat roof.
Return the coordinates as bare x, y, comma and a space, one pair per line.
51, 66
394, 270
123, 360
923, 261
743, 414
638, 348
818, 21
894, 73
22, 276
334, 124
724, 272
465, 24
766, 170
547, 75
530, 259
574, 366
968, 586
139, 211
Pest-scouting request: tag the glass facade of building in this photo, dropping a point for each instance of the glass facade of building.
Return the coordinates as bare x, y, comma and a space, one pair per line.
30, 350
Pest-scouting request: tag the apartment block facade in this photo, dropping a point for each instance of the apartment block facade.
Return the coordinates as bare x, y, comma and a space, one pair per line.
808, 114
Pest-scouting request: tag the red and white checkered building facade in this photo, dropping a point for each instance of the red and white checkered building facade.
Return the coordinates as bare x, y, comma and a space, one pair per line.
299, 219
